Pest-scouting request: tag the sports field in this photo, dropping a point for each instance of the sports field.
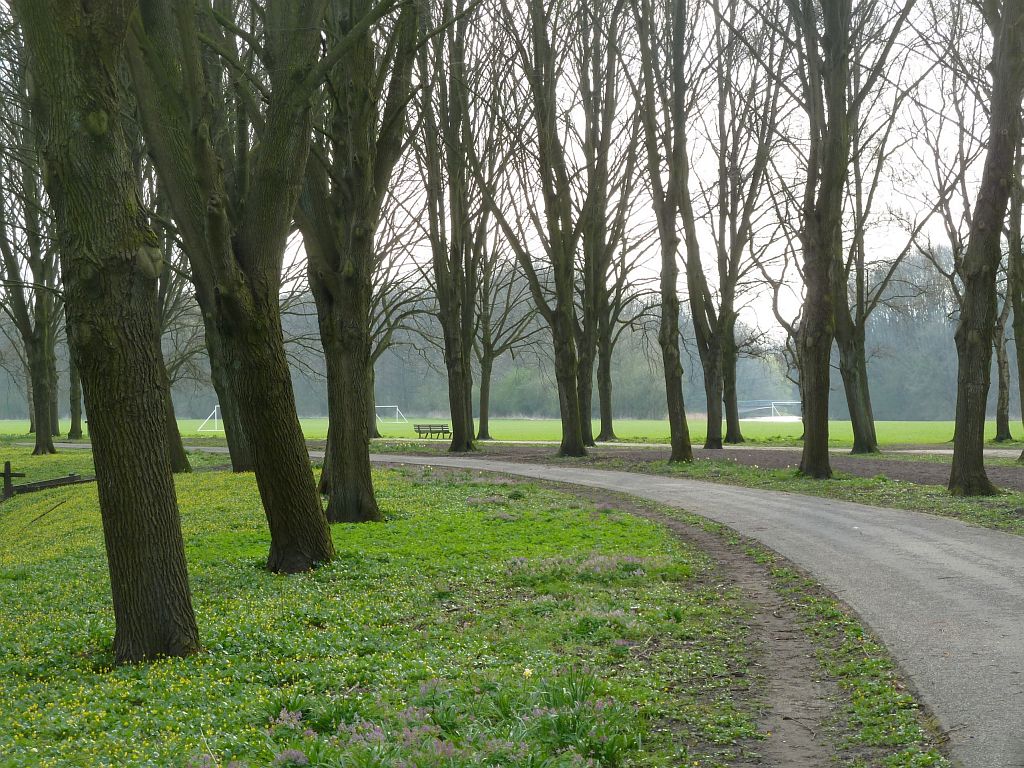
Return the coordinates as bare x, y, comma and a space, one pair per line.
629, 430
635, 430
656, 431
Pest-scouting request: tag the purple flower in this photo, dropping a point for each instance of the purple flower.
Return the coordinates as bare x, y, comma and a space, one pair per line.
286, 719
291, 757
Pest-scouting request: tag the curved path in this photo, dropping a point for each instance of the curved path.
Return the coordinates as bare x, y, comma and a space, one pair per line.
946, 598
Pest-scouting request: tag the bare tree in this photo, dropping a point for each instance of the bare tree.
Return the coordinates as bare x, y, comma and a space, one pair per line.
361, 130
226, 107
109, 261
400, 294
31, 277
507, 322
609, 138
446, 138
1015, 274
743, 97
663, 100
832, 39
984, 250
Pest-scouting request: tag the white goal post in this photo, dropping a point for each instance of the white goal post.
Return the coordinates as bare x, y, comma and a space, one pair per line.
390, 414
770, 410
214, 419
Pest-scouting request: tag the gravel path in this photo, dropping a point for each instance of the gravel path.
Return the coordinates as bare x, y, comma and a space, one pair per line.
946, 598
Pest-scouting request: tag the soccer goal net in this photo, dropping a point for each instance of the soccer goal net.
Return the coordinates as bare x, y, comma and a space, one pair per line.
390, 414
770, 410
213, 422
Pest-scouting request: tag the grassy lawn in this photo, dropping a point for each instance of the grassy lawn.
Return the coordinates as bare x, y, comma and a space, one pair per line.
756, 432
483, 624
937, 433
65, 462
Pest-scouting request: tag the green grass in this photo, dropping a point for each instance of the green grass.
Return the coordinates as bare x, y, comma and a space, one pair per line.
756, 432
937, 433
482, 624
65, 462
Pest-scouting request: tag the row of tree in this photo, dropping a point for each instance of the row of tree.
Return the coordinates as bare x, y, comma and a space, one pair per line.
170, 149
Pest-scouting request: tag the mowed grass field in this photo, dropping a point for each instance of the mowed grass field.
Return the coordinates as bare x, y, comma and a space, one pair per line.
630, 430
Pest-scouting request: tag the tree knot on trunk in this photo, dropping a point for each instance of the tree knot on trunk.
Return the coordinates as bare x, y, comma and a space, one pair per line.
97, 123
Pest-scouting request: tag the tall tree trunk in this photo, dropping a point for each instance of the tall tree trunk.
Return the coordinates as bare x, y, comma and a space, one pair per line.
250, 325
981, 261
714, 385
815, 343
853, 367
1003, 434
585, 394
730, 355
567, 378
668, 339
604, 384
53, 386
230, 412
679, 431
75, 387
486, 371
460, 396
29, 402
1015, 275
371, 396
39, 370
175, 447
110, 290
343, 305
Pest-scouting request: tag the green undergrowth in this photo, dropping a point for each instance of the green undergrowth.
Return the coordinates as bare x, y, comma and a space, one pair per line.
482, 624
1004, 511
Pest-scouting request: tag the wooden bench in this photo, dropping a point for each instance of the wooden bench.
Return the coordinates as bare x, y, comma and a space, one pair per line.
432, 430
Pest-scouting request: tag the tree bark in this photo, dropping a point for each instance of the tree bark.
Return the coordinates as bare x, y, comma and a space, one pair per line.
460, 393
343, 305
28, 401
486, 371
175, 447
230, 409
235, 230
53, 386
981, 261
585, 387
730, 355
109, 276
815, 342
853, 367
39, 377
1003, 434
371, 396
1015, 275
567, 377
668, 337
75, 387
714, 387
250, 324
604, 383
